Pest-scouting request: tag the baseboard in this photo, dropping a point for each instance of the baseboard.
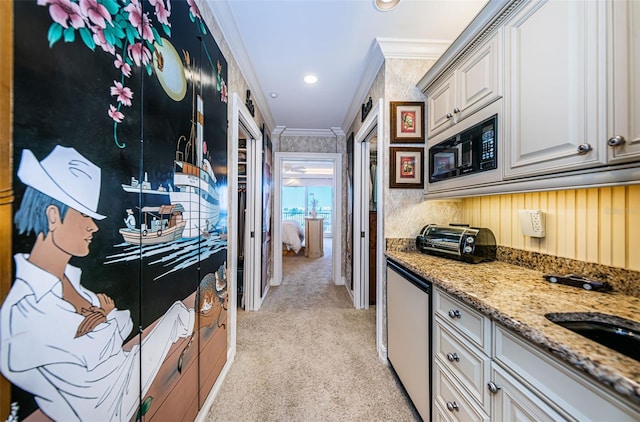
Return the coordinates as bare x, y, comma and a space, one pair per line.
273, 282
350, 292
382, 354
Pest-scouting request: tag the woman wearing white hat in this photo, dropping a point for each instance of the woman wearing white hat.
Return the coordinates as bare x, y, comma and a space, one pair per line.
59, 341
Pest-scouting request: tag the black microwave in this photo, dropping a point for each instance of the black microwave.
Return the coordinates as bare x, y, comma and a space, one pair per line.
471, 151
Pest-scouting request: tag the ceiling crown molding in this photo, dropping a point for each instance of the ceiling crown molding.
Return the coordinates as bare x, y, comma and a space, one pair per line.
391, 48
337, 131
399, 48
320, 133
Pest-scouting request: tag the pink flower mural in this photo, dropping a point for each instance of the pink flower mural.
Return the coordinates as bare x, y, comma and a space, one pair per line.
121, 29
123, 93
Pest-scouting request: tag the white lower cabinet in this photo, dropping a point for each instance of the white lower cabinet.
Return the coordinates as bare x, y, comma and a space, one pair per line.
452, 402
483, 371
461, 346
569, 392
512, 401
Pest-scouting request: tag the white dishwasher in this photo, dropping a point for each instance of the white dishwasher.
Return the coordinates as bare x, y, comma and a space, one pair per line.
409, 334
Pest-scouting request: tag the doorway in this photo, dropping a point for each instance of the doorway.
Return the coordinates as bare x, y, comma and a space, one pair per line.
368, 241
314, 205
245, 249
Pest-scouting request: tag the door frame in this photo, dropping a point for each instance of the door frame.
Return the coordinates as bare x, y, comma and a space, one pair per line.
241, 120
336, 212
373, 124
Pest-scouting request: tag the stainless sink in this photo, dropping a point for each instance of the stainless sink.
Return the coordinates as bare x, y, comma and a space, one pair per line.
619, 334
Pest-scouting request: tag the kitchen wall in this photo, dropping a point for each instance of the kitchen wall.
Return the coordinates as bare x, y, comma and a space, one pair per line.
595, 225
406, 212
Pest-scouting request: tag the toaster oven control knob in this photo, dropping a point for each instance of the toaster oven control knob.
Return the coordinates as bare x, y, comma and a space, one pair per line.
468, 249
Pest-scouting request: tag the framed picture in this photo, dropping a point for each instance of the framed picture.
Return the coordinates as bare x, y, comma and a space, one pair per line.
407, 122
406, 165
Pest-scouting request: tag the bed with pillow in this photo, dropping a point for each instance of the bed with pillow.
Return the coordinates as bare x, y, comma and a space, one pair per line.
292, 235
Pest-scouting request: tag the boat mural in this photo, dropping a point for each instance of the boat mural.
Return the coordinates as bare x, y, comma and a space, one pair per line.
145, 187
194, 183
161, 224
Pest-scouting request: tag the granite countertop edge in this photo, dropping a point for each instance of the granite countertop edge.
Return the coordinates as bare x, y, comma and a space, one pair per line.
609, 368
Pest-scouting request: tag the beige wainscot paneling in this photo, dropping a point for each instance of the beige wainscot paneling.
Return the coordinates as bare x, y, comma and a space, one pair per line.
591, 225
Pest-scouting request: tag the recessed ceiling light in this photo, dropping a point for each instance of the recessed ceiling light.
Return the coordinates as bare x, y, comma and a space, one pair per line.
385, 5
310, 79
273, 94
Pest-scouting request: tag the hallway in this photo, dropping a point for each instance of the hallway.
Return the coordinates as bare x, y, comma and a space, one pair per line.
308, 355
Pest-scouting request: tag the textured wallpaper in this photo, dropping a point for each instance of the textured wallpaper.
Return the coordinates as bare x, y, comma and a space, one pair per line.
406, 212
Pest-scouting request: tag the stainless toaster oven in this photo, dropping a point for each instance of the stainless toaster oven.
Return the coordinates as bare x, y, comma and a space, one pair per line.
468, 244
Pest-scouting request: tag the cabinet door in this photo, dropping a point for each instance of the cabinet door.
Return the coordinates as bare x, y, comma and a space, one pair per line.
474, 83
514, 402
440, 105
624, 65
479, 78
553, 87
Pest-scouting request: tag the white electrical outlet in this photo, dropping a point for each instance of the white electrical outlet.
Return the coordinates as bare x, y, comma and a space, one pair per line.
532, 223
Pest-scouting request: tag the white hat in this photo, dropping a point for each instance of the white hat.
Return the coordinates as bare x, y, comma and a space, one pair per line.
64, 175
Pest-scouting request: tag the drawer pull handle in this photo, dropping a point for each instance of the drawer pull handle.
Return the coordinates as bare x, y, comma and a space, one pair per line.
453, 357
455, 314
493, 387
451, 405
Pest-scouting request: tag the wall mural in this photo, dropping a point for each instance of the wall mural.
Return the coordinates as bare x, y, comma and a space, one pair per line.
118, 306
267, 159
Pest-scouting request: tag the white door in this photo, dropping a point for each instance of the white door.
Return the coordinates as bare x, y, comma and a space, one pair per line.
362, 185
253, 232
372, 129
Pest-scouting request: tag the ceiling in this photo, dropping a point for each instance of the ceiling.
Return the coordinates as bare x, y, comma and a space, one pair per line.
277, 42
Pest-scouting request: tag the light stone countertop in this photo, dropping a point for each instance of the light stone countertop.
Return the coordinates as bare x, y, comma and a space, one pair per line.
518, 298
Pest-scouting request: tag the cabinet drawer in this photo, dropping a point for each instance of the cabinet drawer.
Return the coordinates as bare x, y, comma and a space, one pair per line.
472, 325
572, 393
467, 363
448, 393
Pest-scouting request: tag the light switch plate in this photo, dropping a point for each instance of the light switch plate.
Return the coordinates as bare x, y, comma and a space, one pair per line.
532, 223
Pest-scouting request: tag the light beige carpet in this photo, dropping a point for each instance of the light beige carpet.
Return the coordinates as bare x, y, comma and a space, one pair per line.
308, 355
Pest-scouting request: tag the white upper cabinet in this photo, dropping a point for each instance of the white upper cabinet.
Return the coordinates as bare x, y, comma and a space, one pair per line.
473, 84
566, 75
623, 136
555, 84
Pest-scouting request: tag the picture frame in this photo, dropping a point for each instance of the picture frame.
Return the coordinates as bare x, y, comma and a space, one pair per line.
407, 122
406, 167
